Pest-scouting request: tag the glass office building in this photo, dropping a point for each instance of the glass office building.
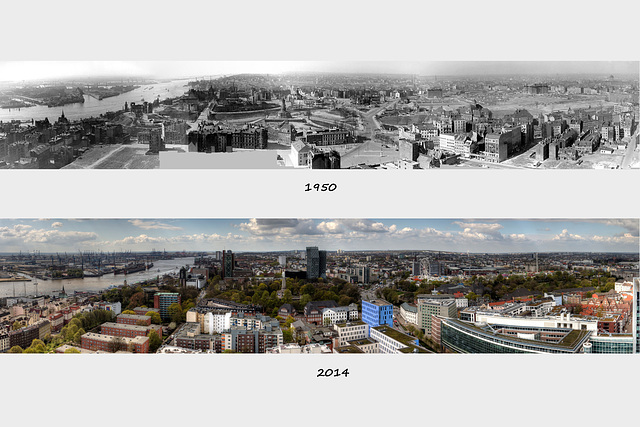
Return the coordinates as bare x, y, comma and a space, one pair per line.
463, 337
610, 344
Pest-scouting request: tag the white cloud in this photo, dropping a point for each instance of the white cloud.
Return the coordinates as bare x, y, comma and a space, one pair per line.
631, 225
153, 225
568, 237
56, 225
480, 231
21, 235
202, 238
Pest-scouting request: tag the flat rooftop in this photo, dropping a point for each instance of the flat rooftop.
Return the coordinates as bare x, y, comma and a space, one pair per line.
396, 335
363, 341
349, 349
570, 341
379, 302
354, 323
134, 316
109, 338
125, 326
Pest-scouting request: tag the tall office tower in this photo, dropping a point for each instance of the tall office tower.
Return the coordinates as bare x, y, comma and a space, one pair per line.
416, 269
316, 263
228, 263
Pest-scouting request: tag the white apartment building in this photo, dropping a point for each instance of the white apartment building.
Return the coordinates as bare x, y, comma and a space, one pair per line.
462, 302
301, 155
216, 323
351, 331
561, 321
335, 315
197, 283
447, 142
4, 342
116, 307
391, 341
409, 312
624, 287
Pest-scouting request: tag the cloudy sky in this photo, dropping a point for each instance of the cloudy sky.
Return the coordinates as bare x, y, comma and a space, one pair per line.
44, 70
473, 235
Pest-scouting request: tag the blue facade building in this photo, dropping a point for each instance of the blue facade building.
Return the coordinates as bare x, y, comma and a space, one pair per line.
377, 312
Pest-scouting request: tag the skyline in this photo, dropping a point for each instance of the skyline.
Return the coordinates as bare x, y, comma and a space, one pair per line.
263, 235
13, 71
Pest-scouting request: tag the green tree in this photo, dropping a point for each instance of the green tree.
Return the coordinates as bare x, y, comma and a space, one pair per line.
37, 346
155, 317
308, 289
16, 325
287, 297
15, 349
287, 335
76, 322
154, 341
344, 301
305, 299
136, 300
77, 337
71, 330
175, 312
289, 320
128, 312
72, 350
37, 342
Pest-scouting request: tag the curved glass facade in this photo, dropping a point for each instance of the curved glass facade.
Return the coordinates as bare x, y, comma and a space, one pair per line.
610, 345
460, 337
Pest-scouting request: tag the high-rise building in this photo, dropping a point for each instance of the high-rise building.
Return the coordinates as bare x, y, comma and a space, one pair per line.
162, 301
364, 274
228, 263
464, 337
377, 312
439, 307
416, 269
316, 263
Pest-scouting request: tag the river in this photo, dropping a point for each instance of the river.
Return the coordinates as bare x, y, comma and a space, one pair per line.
93, 107
93, 283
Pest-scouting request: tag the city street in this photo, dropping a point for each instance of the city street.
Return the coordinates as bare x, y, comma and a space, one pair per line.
629, 153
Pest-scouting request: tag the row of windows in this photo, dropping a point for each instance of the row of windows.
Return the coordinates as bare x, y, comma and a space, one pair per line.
469, 341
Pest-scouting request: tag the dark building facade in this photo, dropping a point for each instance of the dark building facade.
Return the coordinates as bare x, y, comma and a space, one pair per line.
228, 264
162, 301
221, 141
316, 263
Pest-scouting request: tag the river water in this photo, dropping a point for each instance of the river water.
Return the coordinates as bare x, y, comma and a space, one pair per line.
93, 283
93, 107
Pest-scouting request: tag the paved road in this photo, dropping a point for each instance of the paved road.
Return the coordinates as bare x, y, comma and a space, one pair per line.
628, 155
476, 163
369, 119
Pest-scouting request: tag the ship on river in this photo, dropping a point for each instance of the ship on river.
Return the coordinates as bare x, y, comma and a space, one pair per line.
132, 268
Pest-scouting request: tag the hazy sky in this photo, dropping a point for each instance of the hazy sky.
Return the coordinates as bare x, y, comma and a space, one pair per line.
481, 235
38, 70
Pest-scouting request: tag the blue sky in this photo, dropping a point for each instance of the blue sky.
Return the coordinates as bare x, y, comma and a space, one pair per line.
473, 235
